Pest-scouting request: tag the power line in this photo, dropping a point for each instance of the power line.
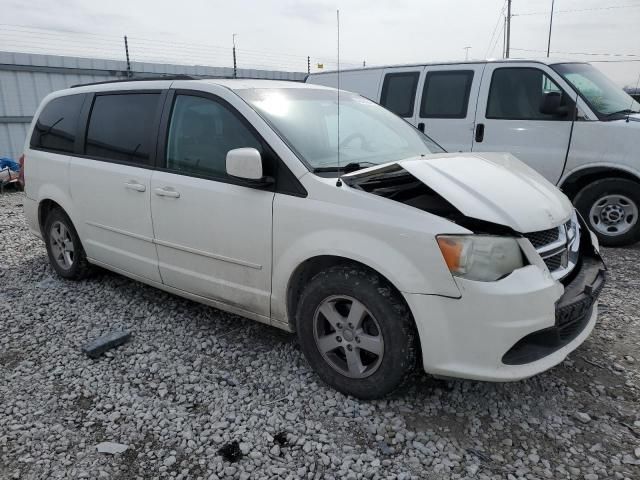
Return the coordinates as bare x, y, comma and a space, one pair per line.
577, 10
594, 54
500, 32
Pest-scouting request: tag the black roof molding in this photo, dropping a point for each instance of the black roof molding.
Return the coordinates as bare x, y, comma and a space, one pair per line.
141, 79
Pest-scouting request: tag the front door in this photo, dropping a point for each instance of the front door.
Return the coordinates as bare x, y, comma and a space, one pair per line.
213, 234
447, 105
509, 117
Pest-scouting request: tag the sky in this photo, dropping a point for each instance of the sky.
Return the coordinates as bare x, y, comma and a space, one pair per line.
281, 34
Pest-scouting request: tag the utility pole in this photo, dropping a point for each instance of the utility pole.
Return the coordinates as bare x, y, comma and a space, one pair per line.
508, 28
504, 38
466, 53
126, 51
308, 64
235, 66
550, 26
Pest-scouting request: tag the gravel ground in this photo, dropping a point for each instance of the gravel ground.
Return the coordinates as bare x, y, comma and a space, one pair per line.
192, 379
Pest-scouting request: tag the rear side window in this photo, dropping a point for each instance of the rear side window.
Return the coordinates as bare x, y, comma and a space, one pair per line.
446, 94
201, 133
120, 127
55, 129
399, 92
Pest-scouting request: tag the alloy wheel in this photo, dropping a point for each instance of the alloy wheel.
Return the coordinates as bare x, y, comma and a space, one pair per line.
348, 336
61, 245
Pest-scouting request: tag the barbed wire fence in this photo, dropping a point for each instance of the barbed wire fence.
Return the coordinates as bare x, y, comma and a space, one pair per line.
27, 39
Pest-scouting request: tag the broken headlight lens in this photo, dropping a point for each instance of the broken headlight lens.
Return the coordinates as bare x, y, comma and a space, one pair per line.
483, 258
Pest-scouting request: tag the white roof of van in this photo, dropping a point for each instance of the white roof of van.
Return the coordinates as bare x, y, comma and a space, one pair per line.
546, 61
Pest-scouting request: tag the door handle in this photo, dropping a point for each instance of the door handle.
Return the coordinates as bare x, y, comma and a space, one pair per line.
167, 192
480, 132
133, 185
421, 127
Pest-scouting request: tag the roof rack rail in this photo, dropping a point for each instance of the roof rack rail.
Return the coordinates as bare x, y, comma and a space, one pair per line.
140, 79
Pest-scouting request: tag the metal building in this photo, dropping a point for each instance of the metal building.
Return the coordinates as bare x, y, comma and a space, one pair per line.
25, 79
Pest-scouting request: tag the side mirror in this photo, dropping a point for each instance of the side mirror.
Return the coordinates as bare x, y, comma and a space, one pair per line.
246, 164
550, 104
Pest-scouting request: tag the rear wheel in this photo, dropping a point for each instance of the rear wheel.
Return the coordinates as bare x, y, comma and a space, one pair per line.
356, 332
611, 207
66, 255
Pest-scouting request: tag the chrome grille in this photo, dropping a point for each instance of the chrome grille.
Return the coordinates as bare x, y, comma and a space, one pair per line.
558, 247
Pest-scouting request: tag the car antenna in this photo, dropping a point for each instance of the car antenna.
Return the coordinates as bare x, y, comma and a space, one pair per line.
632, 99
339, 181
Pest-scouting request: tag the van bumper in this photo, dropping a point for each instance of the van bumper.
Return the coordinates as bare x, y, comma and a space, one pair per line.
511, 329
31, 214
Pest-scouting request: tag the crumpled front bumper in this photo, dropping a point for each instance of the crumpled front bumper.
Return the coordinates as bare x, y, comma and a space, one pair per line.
511, 329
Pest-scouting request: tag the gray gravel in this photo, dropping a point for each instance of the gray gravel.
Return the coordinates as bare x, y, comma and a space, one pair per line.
193, 379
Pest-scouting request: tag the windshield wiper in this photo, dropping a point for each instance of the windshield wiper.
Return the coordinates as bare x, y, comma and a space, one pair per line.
349, 167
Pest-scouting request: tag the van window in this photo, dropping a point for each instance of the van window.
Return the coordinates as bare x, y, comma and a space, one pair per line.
56, 127
516, 93
201, 133
399, 92
120, 127
446, 94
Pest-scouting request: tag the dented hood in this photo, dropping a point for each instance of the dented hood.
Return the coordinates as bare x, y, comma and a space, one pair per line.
493, 187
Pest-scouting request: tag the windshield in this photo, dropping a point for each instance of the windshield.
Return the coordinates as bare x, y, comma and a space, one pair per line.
602, 95
307, 119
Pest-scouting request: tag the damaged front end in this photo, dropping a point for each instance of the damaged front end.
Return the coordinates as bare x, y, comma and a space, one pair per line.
395, 183
488, 194
496, 195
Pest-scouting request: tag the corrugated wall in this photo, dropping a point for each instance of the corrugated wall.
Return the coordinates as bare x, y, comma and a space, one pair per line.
25, 79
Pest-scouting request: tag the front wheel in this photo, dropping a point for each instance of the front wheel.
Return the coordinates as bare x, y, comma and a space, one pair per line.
610, 206
356, 332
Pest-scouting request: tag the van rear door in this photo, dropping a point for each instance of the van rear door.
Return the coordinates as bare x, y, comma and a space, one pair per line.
510, 117
110, 179
447, 105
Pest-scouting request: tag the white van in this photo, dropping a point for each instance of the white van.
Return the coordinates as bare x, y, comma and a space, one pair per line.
526, 107
242, 195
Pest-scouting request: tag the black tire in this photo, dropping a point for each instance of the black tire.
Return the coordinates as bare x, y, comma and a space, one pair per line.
395, 321
592, 193
79, 267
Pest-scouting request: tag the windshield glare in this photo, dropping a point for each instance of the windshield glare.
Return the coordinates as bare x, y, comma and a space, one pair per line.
602, 95
307, 120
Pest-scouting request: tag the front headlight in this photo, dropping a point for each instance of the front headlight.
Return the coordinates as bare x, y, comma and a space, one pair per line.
480, 257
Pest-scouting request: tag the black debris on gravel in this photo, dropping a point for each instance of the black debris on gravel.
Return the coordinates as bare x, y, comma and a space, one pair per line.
231, 452
100, 345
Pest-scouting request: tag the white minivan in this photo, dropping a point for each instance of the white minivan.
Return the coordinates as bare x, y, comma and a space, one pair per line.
564, 119
378, 249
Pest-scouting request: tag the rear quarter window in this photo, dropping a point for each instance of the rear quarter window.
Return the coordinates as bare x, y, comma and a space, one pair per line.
56, 127
399, 92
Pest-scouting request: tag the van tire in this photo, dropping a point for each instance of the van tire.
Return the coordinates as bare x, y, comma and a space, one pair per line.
610, 188
79, 267
387, 316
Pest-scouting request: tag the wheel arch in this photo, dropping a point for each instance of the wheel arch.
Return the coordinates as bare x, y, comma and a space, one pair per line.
577, 180
45, 206
310, 267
